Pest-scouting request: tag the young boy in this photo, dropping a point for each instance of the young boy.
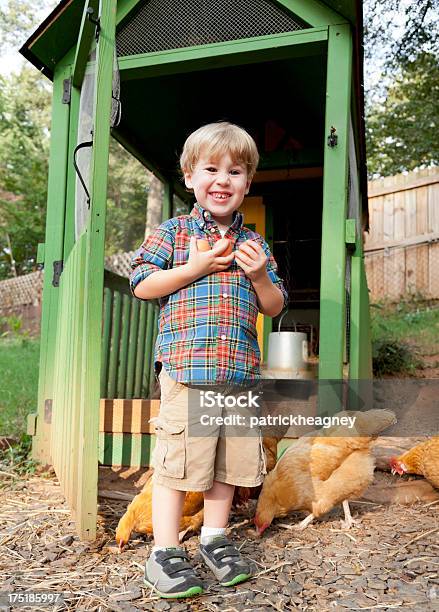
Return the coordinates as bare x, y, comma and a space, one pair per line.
209, 303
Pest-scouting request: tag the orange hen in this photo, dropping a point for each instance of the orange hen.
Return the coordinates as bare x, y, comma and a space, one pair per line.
138, 515
321, 471
422, 459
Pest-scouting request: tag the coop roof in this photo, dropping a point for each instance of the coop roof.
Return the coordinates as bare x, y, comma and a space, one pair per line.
58, 33
143, 25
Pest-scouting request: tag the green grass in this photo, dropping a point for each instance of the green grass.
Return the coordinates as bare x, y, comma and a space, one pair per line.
19, 362
402, 333
415, 322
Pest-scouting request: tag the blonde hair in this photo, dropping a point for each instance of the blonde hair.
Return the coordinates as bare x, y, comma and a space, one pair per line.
216, 139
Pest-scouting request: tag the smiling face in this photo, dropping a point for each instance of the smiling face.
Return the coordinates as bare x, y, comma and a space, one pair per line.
219, 186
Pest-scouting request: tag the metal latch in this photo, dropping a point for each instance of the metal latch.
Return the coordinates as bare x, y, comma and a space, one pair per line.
57, 269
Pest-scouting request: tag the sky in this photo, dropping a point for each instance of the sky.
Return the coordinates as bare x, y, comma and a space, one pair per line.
12, 61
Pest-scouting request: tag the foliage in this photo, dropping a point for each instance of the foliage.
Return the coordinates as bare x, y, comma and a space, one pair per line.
402, 131
402, 333
11, 326
128, 183
24, 146
391, 356
401, 63
18, 18
397, 31
15, 460
19, 359
24, 150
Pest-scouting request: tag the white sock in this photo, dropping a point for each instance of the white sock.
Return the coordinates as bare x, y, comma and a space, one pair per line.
157, 548
208, 533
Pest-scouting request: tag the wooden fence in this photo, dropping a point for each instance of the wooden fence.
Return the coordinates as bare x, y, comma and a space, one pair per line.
402, 246
128, 338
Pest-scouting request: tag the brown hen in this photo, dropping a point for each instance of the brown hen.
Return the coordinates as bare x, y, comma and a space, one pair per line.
318, 472
138, 515
422, 459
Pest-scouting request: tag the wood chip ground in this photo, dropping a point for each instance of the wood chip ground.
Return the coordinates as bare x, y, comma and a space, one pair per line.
389, 562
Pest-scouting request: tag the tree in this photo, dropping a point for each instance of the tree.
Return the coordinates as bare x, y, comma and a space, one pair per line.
18, 19
397, 31
24, 146
128, 185
155, 205
401, 62
401, 131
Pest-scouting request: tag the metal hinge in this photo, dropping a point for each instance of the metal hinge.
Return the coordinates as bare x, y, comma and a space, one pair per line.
48, 411
96, 21
66, 91
57, 270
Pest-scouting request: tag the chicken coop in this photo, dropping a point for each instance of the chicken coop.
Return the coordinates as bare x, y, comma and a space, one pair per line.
147, 73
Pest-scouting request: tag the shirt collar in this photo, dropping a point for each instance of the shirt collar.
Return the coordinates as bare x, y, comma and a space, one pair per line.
204, 220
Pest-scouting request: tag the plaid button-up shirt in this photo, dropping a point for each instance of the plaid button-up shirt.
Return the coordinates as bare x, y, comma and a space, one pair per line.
207, 330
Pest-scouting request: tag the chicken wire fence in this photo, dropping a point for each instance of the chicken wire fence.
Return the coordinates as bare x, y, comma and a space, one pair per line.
397, 272
170, 24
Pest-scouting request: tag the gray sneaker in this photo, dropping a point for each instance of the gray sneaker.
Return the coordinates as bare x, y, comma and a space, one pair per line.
169, 574
225, 561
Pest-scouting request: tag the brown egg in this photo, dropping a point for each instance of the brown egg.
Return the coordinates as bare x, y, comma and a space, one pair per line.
203, 245
229, 248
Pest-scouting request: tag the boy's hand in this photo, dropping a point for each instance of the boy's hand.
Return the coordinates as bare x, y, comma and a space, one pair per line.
252, 259
201, 263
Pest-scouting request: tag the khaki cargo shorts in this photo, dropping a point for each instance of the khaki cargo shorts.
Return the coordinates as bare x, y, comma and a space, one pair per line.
188, 463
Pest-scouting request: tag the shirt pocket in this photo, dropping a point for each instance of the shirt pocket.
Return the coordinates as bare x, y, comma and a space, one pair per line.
170, 450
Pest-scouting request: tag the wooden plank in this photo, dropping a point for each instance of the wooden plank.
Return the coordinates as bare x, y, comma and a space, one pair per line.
124, 7
127, 416
434, 271
69, 229
378, 276
399, 216
140, 354
404, 242
335, 189
410, 270
422, 210
132, 348
377, 188
360, 366
375, 233
388, 218
148, 349
94, 280
86, 35
315, 13
106, 339
124, 341
410, 214
394, 273
126, 449
422, 271
56, 194
78, 340
433, 208
223, 54
115, 344
152, 380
